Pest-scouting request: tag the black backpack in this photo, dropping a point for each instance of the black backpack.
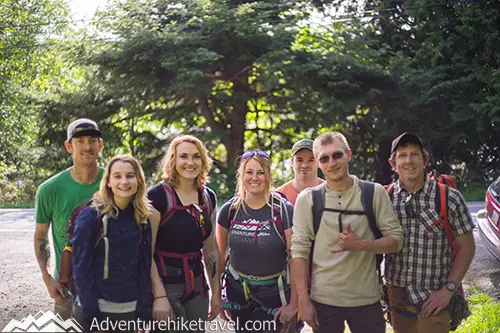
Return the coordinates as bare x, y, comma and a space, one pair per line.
367, 194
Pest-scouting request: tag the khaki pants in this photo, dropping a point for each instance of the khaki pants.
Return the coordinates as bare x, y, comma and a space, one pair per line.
405, 322
63, 306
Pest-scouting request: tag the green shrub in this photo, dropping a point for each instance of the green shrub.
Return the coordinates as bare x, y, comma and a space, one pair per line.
473, 192
485, 316
16, 190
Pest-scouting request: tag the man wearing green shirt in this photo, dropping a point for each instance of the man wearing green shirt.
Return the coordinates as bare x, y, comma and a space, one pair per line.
57, 197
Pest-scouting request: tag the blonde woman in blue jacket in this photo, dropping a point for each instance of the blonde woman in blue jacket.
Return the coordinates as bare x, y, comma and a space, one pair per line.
113, 275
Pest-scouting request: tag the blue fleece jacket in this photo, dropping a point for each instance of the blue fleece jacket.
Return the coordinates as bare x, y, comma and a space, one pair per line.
129, 262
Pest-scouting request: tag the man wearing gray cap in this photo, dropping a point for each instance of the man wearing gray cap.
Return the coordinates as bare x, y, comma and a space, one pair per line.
424, 278
305, 169
57, 197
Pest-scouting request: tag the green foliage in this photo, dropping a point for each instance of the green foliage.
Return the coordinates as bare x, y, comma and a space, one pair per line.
485, 316
239, 76
473, 191
252, 74
25, 62
448, 70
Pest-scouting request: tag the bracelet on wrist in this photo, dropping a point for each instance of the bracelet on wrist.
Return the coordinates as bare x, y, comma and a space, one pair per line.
367, 244
164, 296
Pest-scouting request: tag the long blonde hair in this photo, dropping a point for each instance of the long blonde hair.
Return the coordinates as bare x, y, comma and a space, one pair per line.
167, 166
103, 200
265, 163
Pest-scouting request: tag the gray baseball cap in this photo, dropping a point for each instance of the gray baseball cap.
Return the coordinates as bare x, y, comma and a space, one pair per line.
302, 144
83, 127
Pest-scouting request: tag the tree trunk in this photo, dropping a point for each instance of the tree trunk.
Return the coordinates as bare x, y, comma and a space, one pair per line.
384, 174
234, 141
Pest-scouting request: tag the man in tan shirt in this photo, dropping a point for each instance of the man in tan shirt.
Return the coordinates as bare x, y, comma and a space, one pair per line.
304, 168
344, 281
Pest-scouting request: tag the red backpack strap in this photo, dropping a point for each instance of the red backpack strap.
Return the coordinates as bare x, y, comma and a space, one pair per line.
74, 214
170, 202
390, 190
443, 217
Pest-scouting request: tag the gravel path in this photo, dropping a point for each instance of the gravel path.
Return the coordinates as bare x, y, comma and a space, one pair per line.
22, 291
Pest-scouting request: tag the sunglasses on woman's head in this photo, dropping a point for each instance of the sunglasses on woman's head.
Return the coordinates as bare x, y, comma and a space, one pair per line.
326, 158
251, 153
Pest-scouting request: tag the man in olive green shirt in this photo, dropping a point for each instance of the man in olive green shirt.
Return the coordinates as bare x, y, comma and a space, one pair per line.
56, 199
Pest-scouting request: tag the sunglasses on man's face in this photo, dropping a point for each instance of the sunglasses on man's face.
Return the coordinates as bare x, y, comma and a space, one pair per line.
252, 153
326, 158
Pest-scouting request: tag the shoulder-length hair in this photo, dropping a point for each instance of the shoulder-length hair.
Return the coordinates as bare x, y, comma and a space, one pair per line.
103, 200
167, 166
265, 163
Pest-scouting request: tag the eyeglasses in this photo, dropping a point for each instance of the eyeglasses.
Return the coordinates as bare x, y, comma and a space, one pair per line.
251, 153
336, 156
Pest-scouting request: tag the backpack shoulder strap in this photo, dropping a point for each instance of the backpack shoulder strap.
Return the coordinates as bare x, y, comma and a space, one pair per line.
102, 227
277, 196
442, 209
318, 198
367, 194
231, 213
74, 214
143, 227
170, 203
389, 189
209, 197
318, 207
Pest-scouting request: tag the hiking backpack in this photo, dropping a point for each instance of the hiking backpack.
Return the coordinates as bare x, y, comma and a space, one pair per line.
196, 210
448, 180
367, 195
443, 182
66, 261
278, 210
441, 204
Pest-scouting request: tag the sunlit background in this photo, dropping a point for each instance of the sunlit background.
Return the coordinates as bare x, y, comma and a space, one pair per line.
84, 9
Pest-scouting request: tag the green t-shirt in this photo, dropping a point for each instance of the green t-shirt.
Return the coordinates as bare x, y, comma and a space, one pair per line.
55, 200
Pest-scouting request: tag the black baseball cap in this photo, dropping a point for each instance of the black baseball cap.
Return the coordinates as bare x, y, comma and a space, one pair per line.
83, 127
404, 138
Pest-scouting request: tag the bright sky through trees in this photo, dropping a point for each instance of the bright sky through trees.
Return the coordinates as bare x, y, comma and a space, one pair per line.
84, 9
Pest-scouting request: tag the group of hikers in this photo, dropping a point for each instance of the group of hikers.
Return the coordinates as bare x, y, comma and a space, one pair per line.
308, 251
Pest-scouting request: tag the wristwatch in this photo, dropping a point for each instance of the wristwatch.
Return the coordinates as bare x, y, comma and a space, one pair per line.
451, 286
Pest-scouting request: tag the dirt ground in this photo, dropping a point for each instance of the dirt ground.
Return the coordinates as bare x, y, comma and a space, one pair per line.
22, 291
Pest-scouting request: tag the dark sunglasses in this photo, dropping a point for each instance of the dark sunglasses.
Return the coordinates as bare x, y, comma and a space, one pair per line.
251, 153
336, 156
410, 213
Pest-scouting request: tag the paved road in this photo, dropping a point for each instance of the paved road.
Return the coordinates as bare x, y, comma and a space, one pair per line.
22, 291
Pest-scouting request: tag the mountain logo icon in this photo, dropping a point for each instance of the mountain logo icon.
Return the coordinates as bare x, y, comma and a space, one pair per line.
43, 322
